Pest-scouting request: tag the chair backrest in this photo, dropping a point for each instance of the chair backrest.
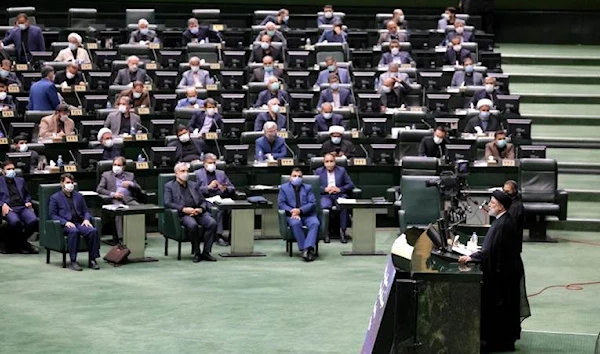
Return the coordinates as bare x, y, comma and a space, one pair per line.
250, 137
421, 204
45, 191
315, 184
197, 165
81, 18
134, 15
14, 11
163, 178
419, 166
538, 178
336, 50
409, 140
36, 116
317, 162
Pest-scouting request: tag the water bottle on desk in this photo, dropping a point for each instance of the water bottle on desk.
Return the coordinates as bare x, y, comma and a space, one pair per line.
132, 130
202, 156
108, 105
140, 158
260, 156
59, 161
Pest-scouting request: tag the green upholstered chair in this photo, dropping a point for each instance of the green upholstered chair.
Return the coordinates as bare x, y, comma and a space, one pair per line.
420, 205
414, 166
316, 162
52, 236
322, 214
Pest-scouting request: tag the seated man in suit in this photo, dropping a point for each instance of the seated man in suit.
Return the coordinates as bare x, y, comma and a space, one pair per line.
25, 37
499, 148
272, 115
107, 143
336, 95
435, 145
393, 73
270, 146
448, 18
393, 33
264, 73
325, 119
337, 145
484, 121
332, 68
334, 35
328, 17
191, 100
143, 35
195, 77
490, 92
188, 149
196, 33
300, 205
392, 95
469, 77
69, 208
398, 17
43, 95
7, 77
213, 182
74, 52
271, 31
132, 73
273, 90
208, 120
137, 95
58, 124
17, 210
395, 55
121, 187
459, 31
283, 16
335, 183
7, 102
71, 76
265, 48
123, 121
455, 53
20, 145
185, 197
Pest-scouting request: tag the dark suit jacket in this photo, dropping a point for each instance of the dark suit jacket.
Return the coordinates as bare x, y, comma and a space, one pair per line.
123, 77
197, 121
10, 79
398, 91
277, 36
327, 96
481, 94
60, 210
402, 58
401, 25
467, 36
459, 78
258, 54
430, 149
342, 179
287, 199
264, 117
200, 146
35, 42
345, 146
265, 95
9, 101
113, 122
331, 37
174, 196
108, 185
21, 187
43, 96
220, 176
203, 33
278, 149
275, 20
258, 75
342, 74
322, 20
137, 36
144, 99
450, 56
493, 125
322, 124
111, 153
491, 149
61, 77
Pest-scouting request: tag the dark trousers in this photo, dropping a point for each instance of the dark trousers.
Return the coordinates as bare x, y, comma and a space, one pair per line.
328, 201
222, 215
91, 236
209, 225
312, 224
22, 223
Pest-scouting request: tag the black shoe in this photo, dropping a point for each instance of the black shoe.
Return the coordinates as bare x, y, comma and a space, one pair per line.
222, 242
93, 265
311, 255
28, 248
75, 266
5, 250
207, 257
305, 254
197, 258
327, 239
343, 238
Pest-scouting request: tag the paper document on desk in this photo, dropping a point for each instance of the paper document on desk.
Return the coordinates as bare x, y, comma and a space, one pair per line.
115, 207
225, 201
262, 186
88, 193
346, 201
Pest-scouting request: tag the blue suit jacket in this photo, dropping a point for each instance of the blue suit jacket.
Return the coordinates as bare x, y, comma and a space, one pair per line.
278, 149
9, 101
322, 124
287, 199
197, 121
403, 57
481, 94
342, 179
182, 103
341, 73
187, 78
43, 96
265, 95
459, 78
61, 211
264, 117
450, 56
21, 187
174, 196
327, 96
220, 176
332, 37
203, 33
35, 41
322, 20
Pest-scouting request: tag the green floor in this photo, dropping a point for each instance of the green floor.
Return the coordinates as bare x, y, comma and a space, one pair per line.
560, 109
274, 304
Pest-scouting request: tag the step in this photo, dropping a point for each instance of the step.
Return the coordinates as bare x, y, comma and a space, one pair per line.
584, 195
575, 224
574, 131
562, 155
561, 114
568, 143
577, 182
577, 168
583, 210
554, 74
549, 54
556, 93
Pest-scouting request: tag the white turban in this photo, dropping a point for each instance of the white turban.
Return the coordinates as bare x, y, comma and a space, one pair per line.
103, 131
485, 102
336, 129
76, 36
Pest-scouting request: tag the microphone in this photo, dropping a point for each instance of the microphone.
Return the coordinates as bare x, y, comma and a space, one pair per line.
77, 131
73, 156
143, 127
364, 150
25, 52
78, 99
145, 154
4, 131
214, 123
427, 124
154, 54
290, 150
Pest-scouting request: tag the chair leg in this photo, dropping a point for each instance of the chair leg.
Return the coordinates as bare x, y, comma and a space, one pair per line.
287, 246
290, 247
179, 250
166, 246
64, 260
317, 249
47, 256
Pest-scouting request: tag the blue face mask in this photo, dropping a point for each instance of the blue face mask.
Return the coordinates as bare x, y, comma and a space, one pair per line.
194, 30
484, 115
11, 173
269, 68
336, 140
501, 143
469, 68
331, 68
274, 86
334, 85
296, 181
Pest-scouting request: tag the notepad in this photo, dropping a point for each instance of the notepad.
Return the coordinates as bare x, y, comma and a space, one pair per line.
115, 207
346, 201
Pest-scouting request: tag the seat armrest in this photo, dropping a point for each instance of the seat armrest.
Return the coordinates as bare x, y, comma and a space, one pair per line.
53, 237
146, 196
391, 194
324, 223
402, 220
240, 196
282, 223
97, 222
356, 193
562, 199
105, 199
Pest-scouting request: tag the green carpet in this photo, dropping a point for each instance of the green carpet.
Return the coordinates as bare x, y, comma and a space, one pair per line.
543, 88
274, 304
551, 50
560, 109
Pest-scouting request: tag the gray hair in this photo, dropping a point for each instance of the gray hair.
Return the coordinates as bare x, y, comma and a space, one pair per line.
132, 57
210, 156
192, 21
180, 165
268, 125
143, 21
122, 159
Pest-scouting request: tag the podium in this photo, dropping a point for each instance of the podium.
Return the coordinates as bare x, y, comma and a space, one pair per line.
242, 227
364, 225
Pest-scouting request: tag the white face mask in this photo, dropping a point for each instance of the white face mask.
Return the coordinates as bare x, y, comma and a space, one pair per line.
328, 14
23, 148
437, 140
210, 167
327, 115
395, 51
137, 94
64, 117
72, 46
133, 68
70, 75
457, 47
144, 31
264, 45
459, 30
211, 112
275, 109
117, 170
2, 95
401, 18
446, 17
108, 143
122, 108
195, 68
386, 89
22, 26
489, 88
184, 138
184, 176
68, 187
